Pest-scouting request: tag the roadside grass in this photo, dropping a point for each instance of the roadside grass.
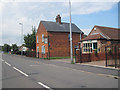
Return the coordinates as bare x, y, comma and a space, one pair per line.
72, 62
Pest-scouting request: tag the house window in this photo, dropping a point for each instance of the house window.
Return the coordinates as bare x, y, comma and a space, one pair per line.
69, 36
43, 49
42, 37
37, 39
87, 47
37, 49
46, 40
94, 46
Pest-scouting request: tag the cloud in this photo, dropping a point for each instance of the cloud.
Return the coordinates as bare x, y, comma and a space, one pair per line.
86, 31
60, 0
90, 7
1, 6
30, 13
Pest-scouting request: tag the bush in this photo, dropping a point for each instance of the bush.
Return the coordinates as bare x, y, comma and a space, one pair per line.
30, 53
18, 52
6, 48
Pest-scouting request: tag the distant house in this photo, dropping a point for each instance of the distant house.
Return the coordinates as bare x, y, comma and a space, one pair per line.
23, 48
99, 37
53, 38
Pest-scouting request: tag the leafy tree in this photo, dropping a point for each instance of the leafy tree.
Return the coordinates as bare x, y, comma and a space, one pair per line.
15, 48
6, 48
30, 39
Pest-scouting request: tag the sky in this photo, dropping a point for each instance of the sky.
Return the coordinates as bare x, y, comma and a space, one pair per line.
84, 14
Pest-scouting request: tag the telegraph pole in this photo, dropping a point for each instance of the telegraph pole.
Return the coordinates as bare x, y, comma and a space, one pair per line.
71, 51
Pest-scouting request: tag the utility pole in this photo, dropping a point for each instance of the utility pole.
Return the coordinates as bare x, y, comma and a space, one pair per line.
71, 51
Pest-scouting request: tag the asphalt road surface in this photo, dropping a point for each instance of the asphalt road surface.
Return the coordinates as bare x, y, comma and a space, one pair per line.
24, 72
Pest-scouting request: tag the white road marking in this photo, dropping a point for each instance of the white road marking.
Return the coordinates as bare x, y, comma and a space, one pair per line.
44, 85
2, 60
20, 71
7, 63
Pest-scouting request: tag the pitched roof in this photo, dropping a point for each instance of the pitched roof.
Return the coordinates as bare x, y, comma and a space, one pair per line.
63, 27
104, 33
93, 37
111, 33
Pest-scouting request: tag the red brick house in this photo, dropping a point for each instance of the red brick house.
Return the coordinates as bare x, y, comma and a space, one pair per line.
53, 39
99, 37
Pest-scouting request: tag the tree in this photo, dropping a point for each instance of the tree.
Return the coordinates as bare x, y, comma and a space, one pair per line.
15, 48
30, 39
6, 48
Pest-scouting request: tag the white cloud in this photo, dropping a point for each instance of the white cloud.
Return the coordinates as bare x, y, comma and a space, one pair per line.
60, 0
1, 6
31, 13
86, 31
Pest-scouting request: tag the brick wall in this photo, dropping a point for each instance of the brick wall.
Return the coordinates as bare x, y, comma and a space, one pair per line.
41, 30
89, 57
60, 43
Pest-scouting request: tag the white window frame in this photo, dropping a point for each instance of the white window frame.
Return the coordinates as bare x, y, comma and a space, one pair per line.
42, 37
86, 48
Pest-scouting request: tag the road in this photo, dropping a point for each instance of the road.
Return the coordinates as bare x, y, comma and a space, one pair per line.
24, 72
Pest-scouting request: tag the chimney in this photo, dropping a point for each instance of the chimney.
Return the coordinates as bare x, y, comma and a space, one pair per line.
58, 19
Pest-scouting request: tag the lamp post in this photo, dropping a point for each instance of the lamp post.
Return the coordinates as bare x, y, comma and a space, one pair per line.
21, 35
71, 51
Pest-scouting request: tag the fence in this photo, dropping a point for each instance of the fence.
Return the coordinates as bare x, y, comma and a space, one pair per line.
111, 56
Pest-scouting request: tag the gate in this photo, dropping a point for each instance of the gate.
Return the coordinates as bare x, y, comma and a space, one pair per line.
83, 57
112, 54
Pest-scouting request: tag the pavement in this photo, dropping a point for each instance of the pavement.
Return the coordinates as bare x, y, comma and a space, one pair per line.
101, 63
25, 72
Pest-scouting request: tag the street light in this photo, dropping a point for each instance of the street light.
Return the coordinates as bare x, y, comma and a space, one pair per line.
21, 35
71, 51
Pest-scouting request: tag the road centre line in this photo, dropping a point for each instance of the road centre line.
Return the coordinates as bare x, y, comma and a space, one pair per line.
45, 86
7, 63
2, 60
20, 71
